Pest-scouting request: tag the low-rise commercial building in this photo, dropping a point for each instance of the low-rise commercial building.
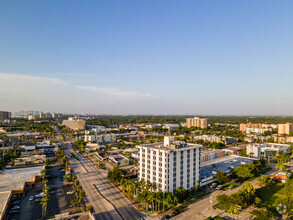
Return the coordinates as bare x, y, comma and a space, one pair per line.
208, 154
267, 150
16, 182
74, 123
119, 159
225, 164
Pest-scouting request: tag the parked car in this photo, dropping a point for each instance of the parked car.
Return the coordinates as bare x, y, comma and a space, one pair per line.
15, 207
13, 212
219, 187
38, 200
62, 170
213, 185
175, 212
70, 192
231, 187
31, 198
16, 202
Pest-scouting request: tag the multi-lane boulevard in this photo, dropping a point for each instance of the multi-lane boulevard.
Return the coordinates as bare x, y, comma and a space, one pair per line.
111, 193
107, 200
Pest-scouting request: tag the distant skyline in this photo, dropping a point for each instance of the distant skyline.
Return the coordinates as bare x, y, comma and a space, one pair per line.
147, 57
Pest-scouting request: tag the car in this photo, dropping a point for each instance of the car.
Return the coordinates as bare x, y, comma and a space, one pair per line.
175, 212
213, 185
231, 187
38, 200
31, 198
40, 195
15, 207
219, 187
70, 192
13, 212
62, 170
52, 192
16, 202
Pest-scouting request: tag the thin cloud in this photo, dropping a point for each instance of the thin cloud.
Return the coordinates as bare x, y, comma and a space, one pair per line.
105, 91
116, 92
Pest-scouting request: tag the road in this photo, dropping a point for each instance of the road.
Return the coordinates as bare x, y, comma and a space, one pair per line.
107, 200
123, 206
203, 208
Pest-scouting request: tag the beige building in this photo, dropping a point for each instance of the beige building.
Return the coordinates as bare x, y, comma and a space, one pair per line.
197, 122
74, 124
285, 128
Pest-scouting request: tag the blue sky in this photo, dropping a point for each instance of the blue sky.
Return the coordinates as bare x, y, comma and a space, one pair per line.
147, 57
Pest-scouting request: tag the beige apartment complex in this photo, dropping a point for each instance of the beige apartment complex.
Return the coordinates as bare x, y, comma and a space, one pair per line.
285, 128
197, 122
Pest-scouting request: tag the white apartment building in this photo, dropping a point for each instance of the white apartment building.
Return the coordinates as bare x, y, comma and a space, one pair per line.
257, 130
108, 138
169, 164
266, 150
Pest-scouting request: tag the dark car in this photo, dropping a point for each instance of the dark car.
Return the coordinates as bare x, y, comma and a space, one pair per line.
16, 202
166, 217
176, 212
13, 212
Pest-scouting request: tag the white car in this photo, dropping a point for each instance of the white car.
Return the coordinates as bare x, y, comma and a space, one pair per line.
31, 198
70, 192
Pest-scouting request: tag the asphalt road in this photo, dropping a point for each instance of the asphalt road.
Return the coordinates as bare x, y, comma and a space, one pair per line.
124, 207
102, 208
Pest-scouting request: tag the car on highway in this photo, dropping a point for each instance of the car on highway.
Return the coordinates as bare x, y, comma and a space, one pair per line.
70, 192
38, 200
31, 198
15, 207
13, 212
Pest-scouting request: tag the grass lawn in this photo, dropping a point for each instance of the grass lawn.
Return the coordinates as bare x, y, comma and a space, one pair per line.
270, 194
219, 206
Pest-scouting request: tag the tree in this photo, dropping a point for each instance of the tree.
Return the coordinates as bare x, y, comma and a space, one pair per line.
89, 208
261, 214
221, 177
265, 180
180, 193
243, 153
245, 171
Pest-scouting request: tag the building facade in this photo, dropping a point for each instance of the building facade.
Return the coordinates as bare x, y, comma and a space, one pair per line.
170, 164
197, 122
4, 115
285, 128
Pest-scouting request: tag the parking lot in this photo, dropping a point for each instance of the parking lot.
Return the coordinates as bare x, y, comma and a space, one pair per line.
59, 200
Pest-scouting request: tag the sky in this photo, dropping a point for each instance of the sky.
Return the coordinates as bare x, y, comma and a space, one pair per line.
147, 56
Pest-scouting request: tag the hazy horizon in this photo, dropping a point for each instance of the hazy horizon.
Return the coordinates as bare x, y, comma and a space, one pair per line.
147, 57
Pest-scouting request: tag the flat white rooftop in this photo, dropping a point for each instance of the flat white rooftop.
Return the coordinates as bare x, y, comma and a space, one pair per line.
14, 179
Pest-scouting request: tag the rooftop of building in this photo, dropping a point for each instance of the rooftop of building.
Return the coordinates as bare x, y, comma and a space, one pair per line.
4, 197
233, 148
209, 151
173, 146
223, 164
14, 179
